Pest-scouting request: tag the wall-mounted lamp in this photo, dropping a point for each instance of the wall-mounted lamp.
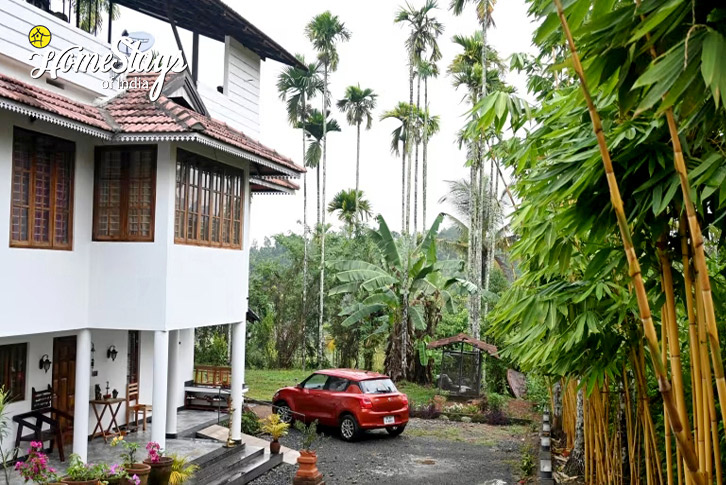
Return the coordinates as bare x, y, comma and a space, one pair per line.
44, 362
111, 353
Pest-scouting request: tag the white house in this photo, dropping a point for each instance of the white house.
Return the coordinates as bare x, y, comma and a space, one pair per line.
127, 219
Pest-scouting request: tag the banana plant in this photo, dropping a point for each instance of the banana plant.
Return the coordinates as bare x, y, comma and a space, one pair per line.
397, 290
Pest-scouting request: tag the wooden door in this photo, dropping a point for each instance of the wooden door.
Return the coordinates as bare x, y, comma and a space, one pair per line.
132, 373
64, 375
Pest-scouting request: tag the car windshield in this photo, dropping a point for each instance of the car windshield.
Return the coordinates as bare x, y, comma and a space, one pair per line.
377, 386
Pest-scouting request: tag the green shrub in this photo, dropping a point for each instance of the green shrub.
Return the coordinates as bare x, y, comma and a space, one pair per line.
496, 402
250, 423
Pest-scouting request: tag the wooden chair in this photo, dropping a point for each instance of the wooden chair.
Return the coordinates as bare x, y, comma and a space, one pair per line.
134, 407
43, 420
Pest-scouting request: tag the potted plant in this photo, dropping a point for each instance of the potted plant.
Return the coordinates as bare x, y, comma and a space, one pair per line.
35, 467
118, 475
79, 473
160, 464
307, 472
276, 429
181, 470
137, 473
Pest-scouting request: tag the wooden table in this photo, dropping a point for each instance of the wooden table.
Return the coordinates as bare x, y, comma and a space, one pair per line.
113, 406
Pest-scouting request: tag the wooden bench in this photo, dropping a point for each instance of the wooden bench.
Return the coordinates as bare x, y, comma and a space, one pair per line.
209, 389
45, 421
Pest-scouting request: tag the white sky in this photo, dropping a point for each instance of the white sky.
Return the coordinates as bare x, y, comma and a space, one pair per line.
374, 57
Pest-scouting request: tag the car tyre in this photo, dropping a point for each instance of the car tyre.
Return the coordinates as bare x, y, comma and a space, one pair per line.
349, 429
284, 411
396, 430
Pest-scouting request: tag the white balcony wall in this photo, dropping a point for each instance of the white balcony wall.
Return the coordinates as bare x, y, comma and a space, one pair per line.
206, 286
17, 19
44, 290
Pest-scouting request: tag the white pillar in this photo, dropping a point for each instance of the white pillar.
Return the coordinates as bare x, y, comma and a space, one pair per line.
158, 396
238, 378
174, 375
82, 394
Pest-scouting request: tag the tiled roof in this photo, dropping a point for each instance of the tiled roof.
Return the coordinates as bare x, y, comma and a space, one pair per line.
132, 112
136, 113
36, 97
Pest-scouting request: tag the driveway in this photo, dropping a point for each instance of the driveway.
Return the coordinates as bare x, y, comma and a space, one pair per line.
428, 452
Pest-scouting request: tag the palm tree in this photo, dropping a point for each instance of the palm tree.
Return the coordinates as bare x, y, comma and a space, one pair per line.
324, 31
424, 30
296, 86
358, 105
351, 208
426, 70
400, 137
484, 10
89, 14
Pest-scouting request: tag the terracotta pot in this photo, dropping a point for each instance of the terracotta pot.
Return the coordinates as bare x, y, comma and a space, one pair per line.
141, 470
275, 447
161, 471
68, 481
307, 472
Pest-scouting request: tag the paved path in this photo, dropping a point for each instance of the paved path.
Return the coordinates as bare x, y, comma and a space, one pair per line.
428, 452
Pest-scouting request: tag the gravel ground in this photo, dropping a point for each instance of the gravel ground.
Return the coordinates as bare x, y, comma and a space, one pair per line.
428, 452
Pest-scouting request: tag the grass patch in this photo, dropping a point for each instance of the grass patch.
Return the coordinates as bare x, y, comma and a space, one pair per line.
416, 393
264, 382
452, 433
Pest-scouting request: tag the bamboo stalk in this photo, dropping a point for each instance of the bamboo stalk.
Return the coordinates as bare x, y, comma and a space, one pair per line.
664, 385
699, 256
664, 352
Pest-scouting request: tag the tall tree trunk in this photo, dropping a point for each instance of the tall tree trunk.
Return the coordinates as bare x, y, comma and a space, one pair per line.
403, 189
357, 171
575, 465
415, 169
491, 230
409, 140
473, 242
321, 344
424, 169
305, 242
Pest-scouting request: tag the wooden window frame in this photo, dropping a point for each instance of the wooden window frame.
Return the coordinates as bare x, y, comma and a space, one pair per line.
224, 188
5, 357
125, 151
70, 153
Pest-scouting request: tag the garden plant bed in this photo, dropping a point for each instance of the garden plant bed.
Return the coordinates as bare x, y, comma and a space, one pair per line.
428, 452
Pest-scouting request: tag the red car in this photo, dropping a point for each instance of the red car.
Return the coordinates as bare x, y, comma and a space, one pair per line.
349, 399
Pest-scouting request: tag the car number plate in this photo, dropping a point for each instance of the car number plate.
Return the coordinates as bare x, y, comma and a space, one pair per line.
388, 420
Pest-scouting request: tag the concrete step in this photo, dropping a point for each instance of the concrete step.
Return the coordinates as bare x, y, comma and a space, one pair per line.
255, 468
219, 467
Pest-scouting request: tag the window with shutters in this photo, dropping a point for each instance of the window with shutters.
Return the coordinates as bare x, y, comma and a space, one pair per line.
124, 193
12, 370
41, 212
209, 201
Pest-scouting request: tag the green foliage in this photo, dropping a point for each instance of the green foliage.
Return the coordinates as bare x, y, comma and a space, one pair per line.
4, 433
537, 390
250, 422
528, 462
181, 469
309, 433
211, 345
78, 471
496, 402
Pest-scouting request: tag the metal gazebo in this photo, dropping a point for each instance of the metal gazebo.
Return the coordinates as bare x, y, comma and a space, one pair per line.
461, 364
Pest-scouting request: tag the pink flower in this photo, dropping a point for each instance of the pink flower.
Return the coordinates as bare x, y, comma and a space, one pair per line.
136, 479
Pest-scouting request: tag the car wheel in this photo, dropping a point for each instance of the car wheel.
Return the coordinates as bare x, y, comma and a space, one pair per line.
396, 430
349, 429
284, 411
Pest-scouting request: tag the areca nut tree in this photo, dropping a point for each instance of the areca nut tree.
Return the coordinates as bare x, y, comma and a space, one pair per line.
423, 33
296, 86
358, 105
325, 31
351, 208
401, 136
426, 71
